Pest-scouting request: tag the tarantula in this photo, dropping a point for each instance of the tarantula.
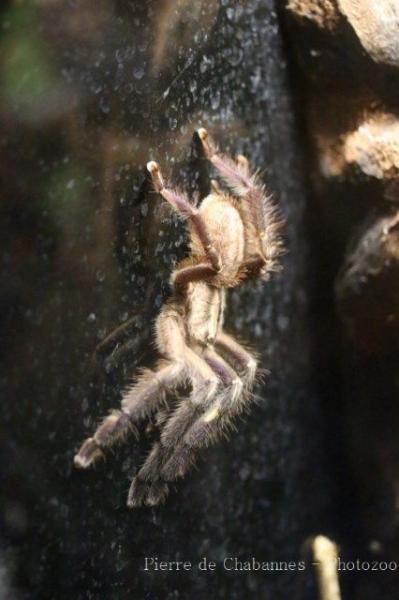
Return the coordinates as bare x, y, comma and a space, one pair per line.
232, 238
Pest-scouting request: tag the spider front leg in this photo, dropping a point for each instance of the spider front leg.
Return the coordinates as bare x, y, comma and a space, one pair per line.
263, 220
184, 207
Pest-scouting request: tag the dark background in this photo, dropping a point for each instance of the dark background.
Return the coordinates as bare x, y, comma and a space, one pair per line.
90, 92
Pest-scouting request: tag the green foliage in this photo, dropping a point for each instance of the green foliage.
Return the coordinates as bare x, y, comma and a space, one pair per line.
26, 73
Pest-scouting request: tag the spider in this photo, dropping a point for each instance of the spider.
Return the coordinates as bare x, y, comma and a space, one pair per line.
233, 237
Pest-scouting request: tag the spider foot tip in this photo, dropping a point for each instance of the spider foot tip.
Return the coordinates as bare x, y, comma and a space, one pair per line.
216, 187
79, 462
202, 133
153, 167
131, 503
242, 161
207, 143
156, 175
87, 455
146, 493
135, 498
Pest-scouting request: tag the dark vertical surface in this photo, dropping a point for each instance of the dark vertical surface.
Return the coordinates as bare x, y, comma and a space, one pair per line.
346, 83
90, 93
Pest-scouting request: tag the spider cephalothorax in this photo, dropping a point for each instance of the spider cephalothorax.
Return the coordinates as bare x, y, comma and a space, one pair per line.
232, 238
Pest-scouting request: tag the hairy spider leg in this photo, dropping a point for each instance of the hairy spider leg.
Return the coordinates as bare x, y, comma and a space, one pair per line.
120, 342
148, 487
194, 426
218, 419
171, 341
170, 458
149, 390
138, 402
238, 356
213, 421
221, 372
185, 208
190, 273
260, 210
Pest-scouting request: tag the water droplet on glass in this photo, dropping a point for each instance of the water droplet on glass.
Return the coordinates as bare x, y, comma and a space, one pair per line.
119, 55
203, 65
97, 88
235, 58
215, 100
138, 72
104, 105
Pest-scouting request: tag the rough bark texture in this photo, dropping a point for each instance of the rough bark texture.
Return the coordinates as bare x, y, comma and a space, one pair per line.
91, 92
347, 82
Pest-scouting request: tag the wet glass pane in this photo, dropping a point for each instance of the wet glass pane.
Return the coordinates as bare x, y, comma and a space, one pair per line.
90, 91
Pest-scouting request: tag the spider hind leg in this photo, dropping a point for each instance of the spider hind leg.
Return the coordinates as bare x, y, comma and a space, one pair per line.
197, 422
138, 402
220, 416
